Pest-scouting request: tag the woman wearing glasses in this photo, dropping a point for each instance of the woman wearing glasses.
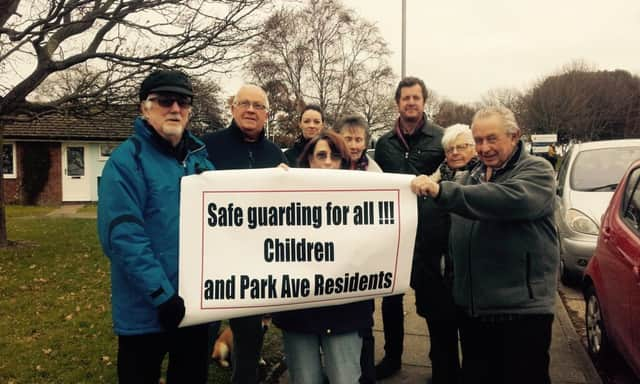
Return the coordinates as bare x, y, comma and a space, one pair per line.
333, 329
434, 299
311, 123
460, 153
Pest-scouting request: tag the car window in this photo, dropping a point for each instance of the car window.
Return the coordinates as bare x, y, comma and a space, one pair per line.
631, 201
601, 169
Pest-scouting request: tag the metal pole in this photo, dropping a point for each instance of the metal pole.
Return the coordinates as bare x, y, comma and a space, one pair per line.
404, 38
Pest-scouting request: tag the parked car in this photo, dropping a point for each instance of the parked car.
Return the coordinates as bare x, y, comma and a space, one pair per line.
587, 177
612, 277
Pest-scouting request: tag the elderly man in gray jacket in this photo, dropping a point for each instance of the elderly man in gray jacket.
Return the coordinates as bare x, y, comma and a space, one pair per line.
504, 246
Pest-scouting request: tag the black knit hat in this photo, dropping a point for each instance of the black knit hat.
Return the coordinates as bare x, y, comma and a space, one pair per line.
166, 81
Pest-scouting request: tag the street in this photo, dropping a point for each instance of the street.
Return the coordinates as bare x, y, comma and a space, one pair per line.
612, 371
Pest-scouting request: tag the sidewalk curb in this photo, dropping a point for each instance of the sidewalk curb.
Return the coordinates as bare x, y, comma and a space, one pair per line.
590, 372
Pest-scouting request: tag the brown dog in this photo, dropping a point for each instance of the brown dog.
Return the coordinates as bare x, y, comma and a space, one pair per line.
223, 346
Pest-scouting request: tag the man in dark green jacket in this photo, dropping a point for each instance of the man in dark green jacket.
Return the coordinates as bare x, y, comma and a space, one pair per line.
412, 146
504, 246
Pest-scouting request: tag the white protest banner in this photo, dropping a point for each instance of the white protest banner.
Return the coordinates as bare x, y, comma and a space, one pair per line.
268, 240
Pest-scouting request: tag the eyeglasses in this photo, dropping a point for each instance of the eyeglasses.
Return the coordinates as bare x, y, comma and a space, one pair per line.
458, 148
247, 104
322, 156
167, 101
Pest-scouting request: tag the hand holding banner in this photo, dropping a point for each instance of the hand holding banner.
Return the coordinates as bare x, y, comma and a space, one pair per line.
268, 240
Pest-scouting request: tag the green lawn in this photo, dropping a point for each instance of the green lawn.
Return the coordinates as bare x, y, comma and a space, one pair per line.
55, 312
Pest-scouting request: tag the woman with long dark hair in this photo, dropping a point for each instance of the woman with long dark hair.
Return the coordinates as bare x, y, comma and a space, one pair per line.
311, 123
334, 330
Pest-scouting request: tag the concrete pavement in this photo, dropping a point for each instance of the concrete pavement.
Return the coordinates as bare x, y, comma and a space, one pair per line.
570, 363
71, 210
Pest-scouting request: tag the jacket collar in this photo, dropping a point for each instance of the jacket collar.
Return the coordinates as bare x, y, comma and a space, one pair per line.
425, 127
479, 172
301, 142
187, 143
237, 133
363, 162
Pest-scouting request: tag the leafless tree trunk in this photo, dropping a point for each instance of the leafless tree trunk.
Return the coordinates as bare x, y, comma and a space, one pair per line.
4, 241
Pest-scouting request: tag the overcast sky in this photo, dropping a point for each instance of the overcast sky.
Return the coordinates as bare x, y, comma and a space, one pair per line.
463, 48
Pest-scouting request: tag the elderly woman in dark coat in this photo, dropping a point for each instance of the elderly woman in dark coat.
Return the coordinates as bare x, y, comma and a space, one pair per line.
432, 274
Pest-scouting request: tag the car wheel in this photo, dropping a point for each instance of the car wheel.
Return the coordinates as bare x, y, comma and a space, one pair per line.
597, 340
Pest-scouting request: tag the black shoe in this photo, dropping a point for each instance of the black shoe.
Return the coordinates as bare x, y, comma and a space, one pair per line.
387, 368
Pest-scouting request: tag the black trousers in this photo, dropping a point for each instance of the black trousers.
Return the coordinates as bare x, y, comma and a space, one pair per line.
506, 351
140, 356
248, 336
367, 357
393, 324
444, 355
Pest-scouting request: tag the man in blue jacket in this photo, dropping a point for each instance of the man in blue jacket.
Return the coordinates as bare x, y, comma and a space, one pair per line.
243, 145
504, 246
138, 224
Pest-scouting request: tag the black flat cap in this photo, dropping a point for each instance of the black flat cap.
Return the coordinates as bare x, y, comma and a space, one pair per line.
166, 81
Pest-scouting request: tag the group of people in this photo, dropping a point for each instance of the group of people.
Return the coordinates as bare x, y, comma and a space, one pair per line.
485, 257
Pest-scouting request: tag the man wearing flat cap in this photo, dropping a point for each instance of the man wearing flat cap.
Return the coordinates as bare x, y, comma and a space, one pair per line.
138, 224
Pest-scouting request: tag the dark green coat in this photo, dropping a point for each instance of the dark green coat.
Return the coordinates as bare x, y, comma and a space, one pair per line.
503, 239
425, 154
423, 157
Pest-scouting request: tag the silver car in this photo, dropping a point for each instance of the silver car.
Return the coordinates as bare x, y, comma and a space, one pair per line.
587, 178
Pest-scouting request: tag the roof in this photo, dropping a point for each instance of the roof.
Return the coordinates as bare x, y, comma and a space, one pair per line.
587, 145
103, 127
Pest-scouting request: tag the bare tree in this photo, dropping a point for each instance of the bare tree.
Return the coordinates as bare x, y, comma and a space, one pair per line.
208, 107
319, 53
507, 97
584, 105
450, 112
376, 102
123, 39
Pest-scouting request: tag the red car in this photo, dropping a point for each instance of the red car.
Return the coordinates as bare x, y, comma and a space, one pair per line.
612, 277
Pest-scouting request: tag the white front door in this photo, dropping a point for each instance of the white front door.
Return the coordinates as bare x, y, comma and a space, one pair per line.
75, 175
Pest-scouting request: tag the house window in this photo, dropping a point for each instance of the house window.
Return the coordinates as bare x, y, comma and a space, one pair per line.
106, 149
9, 160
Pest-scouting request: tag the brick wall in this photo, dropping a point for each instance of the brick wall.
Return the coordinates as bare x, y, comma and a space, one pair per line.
10, 187
51, 193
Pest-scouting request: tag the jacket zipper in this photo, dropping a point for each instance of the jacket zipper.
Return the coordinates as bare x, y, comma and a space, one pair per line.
250, 159
189, 153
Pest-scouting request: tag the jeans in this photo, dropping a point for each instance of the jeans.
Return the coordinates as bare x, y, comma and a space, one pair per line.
341, 357
140, 356
248, 336
506, 351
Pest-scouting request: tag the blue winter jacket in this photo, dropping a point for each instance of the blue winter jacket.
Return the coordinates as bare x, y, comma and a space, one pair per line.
138, 224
